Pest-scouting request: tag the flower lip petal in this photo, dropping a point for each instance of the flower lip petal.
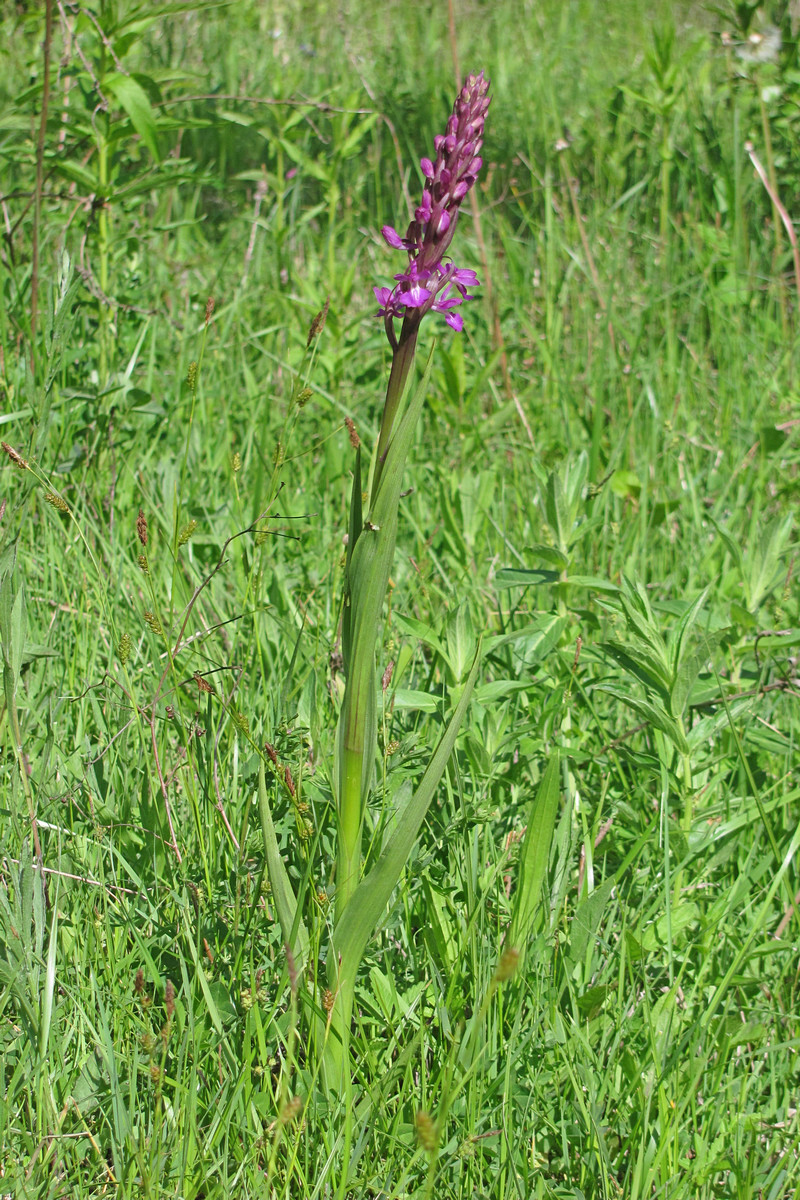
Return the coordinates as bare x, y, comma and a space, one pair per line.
415, 297
455, 321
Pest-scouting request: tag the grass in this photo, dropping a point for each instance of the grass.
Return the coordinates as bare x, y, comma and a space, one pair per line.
613, 437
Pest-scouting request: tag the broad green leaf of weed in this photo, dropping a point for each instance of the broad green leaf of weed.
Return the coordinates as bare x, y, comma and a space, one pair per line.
689, 667
534, 856
459, 634
658, 717
133, 98
638, 659
763, 560
587, 918
679, 635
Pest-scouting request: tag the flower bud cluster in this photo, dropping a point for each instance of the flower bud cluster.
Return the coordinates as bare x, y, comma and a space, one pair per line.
430, 283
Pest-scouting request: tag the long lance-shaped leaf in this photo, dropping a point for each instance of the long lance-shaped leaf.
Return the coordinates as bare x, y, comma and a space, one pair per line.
374, 892
294, 931
534, 856
368, 578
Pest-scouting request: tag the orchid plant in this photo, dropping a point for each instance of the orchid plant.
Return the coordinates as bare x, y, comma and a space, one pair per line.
430, 282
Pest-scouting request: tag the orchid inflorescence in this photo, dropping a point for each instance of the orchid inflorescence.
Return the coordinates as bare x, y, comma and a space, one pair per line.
432, 283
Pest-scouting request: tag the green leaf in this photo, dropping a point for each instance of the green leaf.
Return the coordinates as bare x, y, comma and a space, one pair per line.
550, 554
556, 509
460, 639
534, 856
419, 630
286, 906
689, 668
658, 717
409, 698
679, 636
680, 919
374, 892
133, 98
508, 577
587, 918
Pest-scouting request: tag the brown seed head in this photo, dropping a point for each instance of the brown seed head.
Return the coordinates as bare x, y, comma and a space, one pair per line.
318, 324
272, 753
138, 982
202, 684
355, 441
15, 456
169, 999
141, 527
210, 306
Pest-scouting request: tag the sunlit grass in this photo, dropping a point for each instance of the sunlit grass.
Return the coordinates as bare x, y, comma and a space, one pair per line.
621, 407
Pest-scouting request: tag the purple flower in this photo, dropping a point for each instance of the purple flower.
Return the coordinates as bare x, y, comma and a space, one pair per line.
432, 283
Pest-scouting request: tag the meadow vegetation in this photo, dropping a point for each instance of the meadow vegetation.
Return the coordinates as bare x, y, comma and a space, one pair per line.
603, 484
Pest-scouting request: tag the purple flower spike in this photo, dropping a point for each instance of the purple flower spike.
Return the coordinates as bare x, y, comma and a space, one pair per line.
430, 283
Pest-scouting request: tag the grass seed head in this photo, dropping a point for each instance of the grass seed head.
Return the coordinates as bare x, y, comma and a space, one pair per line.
291, 1109
56, 502
124, 647
355, 441
426, 1131
152, 621
15, 456
318, 324
141, 527
186, 533
506, 968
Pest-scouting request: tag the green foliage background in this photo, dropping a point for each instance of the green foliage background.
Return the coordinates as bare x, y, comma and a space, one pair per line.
604, 481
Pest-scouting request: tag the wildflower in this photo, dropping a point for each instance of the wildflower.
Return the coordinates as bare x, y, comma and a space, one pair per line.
761, 46
432, 283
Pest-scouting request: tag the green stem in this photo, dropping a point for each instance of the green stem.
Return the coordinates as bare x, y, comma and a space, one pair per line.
402, 361
687, 816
